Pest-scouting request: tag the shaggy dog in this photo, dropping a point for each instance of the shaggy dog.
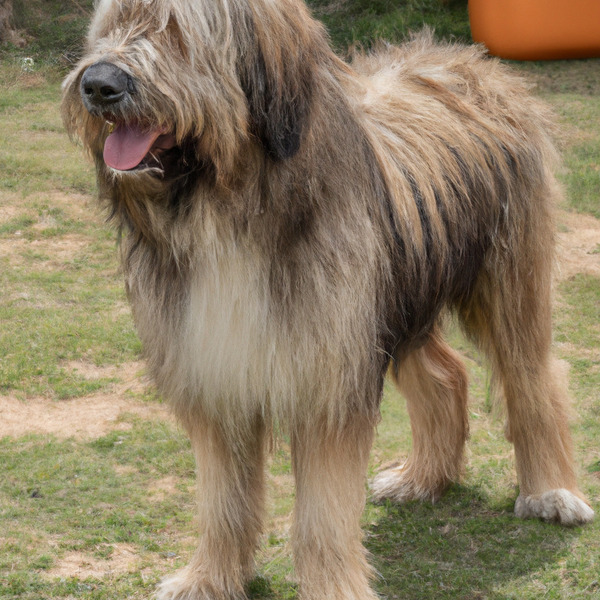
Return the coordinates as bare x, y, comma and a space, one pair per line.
293, 227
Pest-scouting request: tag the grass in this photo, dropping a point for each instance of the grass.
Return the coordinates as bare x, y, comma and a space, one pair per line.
105, 516
573, 87
580, 103
362, 22
54, 30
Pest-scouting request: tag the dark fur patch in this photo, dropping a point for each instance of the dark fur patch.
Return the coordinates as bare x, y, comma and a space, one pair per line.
278, 111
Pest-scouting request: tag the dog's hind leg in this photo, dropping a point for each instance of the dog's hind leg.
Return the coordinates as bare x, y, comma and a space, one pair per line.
330, 470
509, 315
538, 426
230, 473
434, 382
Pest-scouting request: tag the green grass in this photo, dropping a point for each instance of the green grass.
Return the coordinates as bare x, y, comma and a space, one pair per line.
451, 550
582, 160
580, 323
54, 29
46, 513
106, 516
573, 88
583, 180
362, 22
35, 155
60, 278
63, 299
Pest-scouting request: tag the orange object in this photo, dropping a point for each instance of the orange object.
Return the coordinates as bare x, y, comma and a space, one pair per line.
537, 29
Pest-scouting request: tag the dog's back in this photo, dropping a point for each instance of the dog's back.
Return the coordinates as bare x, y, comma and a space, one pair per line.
468, 159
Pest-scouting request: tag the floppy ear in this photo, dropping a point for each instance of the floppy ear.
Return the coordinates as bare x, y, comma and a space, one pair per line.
279, 97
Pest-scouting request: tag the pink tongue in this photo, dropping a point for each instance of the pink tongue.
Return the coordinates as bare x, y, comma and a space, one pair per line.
127, 145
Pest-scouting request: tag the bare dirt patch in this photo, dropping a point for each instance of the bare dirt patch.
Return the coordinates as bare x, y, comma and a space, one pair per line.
123, 559
81, 207
131, 376
8, 213
77, 206
89, 417
578, 245
58, 249
163, 488
56, 253
82, 418
62, 249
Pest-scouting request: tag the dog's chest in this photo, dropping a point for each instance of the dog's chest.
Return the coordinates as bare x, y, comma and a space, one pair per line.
228, 350
227, 323
252, 333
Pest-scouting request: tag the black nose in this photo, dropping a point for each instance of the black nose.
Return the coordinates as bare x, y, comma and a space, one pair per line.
104, 84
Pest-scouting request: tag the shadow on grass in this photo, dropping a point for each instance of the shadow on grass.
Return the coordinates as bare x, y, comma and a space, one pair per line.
459, 548
95, 495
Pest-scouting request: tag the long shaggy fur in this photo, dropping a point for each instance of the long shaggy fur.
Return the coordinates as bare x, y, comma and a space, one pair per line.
311, 226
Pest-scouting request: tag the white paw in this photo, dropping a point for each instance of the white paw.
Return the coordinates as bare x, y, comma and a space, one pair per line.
174, 588
396, 485
560, 506
186, 585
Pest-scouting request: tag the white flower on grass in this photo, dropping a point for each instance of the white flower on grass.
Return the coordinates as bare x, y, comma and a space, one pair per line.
27, 65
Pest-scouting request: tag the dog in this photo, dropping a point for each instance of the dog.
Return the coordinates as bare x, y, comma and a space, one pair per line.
293, 227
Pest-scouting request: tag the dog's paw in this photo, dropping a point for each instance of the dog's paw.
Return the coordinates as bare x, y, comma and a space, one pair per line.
179, 587
397, 485
558, 506
186, 585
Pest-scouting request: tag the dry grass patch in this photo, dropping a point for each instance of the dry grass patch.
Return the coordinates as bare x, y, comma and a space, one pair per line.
85, 418
578, 245
123, 558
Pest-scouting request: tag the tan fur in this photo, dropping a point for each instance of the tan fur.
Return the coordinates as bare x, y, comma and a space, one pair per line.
434, 382
313, 224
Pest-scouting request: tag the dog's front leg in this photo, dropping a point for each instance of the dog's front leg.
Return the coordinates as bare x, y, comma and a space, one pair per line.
230, 473
330, 469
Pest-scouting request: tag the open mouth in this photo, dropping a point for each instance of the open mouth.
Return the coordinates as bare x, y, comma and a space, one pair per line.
132, 147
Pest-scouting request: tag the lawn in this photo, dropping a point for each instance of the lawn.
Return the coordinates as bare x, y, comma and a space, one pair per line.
97, 481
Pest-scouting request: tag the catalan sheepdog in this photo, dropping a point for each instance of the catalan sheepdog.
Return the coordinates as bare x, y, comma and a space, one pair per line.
294, 227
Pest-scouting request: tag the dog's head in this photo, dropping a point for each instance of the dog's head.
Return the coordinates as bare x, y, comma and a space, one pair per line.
165, 84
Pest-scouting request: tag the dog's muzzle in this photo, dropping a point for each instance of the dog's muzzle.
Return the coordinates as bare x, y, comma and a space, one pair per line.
131, 143
104, 86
